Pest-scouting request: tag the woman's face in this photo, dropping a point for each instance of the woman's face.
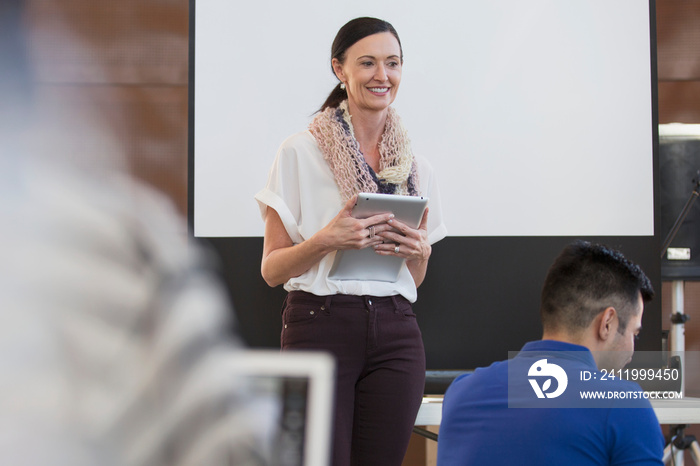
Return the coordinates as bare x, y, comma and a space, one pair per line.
371, 71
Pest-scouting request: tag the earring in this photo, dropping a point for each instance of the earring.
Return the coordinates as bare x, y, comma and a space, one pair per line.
342, 86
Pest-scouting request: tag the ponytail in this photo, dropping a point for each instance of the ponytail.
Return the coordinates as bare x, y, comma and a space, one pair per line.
336, 96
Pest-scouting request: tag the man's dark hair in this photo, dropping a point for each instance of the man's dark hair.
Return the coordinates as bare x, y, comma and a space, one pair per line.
587, 278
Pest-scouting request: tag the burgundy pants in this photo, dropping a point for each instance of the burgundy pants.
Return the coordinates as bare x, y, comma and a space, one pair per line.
380, 369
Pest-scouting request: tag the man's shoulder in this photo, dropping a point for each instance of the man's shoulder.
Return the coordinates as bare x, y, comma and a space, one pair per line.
480, 379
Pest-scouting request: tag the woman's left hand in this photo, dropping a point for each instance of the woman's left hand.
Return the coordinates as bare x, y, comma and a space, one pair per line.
406, 242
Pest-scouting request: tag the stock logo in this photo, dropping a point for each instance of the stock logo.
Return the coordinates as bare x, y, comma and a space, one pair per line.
547, 371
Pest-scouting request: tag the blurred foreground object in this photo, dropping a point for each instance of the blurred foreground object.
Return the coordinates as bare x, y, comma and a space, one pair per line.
113, 329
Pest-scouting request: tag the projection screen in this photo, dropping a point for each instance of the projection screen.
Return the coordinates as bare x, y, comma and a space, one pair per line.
537, 116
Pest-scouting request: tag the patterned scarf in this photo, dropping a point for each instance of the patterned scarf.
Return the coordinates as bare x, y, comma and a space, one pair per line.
336, 139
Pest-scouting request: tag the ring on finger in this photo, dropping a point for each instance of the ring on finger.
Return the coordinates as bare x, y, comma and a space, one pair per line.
396, 249
371, 231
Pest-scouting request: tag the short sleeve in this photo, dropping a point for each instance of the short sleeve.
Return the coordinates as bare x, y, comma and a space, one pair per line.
282, 190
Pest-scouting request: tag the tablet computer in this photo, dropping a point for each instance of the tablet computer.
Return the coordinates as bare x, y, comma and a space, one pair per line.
365, 264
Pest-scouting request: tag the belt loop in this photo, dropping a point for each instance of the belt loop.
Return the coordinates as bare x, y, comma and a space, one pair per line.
327, 305
396, 302
284, 303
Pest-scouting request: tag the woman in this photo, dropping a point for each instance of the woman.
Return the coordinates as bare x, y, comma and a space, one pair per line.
355, 143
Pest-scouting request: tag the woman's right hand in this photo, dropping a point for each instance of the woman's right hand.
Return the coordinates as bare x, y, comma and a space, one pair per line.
282, 259
347, 232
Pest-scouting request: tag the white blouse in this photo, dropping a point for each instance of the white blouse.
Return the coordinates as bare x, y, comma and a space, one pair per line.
301, 188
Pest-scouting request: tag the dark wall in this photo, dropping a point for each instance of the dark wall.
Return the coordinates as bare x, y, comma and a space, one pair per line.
479, 300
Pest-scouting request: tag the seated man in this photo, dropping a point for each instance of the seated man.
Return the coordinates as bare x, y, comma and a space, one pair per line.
531, 410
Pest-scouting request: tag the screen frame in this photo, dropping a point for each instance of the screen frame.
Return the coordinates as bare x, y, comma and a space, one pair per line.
319, 369
591, 177
462, 326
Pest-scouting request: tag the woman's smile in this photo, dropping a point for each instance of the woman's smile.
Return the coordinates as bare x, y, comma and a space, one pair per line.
379, 90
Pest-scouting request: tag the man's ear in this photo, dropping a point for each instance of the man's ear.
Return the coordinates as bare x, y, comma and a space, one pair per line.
607, 323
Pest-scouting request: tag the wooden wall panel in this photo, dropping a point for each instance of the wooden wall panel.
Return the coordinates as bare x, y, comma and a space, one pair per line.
678, 39
679, 101
124, 42
678, 60
128, 60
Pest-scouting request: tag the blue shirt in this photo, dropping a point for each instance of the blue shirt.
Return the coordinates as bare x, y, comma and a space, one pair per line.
553, 428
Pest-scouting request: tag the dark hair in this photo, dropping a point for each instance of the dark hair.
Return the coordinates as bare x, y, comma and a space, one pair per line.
587, 278
353, 31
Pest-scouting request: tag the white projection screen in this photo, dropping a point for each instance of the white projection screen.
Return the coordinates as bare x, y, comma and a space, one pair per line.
537, 116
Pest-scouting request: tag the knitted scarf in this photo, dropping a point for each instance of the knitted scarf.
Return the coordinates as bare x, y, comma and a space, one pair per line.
335, 136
